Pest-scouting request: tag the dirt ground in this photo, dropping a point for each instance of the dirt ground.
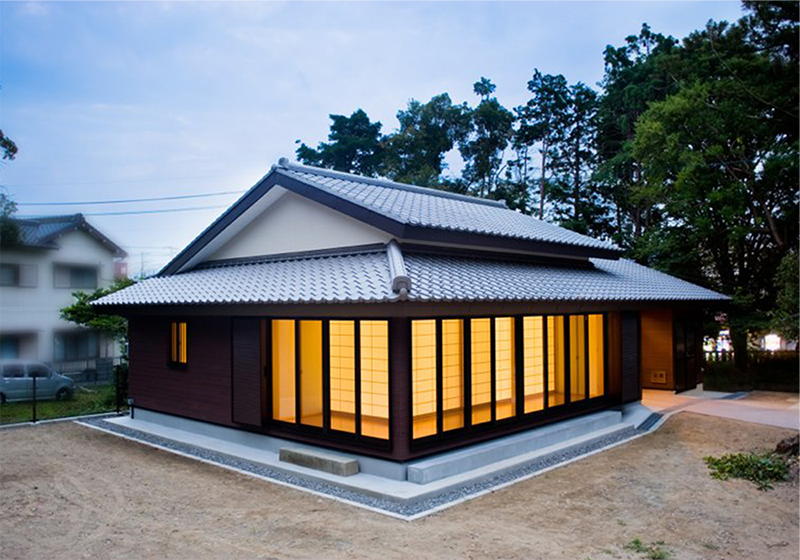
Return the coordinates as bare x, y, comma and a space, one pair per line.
71, 492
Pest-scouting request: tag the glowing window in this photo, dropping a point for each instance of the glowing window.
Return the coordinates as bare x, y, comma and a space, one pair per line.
374, 346
178, 344
283, 370
311, 373
577, 357
556, 382
533, 355
481, 361
423, 377
504, 385
596, 361
452, 374
343, 376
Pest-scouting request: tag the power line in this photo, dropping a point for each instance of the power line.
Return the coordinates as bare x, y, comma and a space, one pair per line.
134, 212
129, 200
165, 211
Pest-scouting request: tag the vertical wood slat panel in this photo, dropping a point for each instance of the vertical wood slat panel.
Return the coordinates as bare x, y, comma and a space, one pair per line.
631, 384
246, 374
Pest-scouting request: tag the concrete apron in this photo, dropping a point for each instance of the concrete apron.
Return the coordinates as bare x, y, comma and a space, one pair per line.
386, 480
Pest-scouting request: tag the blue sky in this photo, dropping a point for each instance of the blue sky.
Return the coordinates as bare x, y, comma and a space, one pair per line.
132, 100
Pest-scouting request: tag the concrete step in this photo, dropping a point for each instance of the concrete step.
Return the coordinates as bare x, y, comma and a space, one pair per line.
454, 463
319, 460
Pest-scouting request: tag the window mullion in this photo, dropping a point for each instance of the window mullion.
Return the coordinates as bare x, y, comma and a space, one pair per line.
326, 376
586, 355
467, 364
357, 358
546, 363
297, 373
439, 382
493, 367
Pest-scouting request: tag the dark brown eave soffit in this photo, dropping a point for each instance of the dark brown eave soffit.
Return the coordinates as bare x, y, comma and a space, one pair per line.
401, 309
401, 231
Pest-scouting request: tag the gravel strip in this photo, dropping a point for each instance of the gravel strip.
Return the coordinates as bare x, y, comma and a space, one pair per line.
406, 508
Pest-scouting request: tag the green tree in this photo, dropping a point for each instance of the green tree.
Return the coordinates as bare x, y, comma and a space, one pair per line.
9, 231
354, 146
636, 74
576, 201
786, 316
483, 149
415, 153
541, 124
82, 313
720, 158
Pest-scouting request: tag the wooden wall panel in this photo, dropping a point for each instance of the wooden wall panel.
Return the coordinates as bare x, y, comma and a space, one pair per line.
201, 390
629, 332
247, 371
657, 348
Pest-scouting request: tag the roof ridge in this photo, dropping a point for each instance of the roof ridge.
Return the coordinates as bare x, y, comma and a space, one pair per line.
284, 163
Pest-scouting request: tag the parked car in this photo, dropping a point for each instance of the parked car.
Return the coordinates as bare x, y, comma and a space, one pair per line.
16, 382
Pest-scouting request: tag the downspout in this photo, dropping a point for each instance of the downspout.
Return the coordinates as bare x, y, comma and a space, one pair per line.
401, 283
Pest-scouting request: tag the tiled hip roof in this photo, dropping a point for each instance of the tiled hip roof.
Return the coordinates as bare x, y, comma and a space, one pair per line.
367, 277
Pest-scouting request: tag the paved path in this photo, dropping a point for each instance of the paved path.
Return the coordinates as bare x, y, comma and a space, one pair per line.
760, 407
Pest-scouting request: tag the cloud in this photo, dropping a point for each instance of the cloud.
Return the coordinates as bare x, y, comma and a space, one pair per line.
34, 8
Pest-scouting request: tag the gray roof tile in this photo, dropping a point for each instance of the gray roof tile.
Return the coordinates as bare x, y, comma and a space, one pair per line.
435, 277
419, 206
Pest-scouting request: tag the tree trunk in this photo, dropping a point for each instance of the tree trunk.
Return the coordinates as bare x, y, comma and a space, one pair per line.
542, 187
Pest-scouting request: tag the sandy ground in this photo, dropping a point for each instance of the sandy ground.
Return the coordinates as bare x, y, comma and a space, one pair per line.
71, 492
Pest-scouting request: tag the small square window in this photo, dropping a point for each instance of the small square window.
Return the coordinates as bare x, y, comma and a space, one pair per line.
178, 343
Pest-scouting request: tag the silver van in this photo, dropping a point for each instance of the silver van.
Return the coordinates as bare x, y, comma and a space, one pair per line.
16, 382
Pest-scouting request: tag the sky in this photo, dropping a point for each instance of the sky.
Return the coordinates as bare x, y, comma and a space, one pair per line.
127, 100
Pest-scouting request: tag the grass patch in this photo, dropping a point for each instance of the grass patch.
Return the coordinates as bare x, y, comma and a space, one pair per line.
761, 468
653, 550
92, 400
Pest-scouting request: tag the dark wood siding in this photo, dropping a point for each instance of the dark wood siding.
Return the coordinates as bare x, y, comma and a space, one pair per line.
201, 390
247, 371
631, 386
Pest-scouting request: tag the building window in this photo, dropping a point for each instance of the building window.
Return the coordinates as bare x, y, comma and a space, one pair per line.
9, 274
375, 379
284, 372
75, 277
343, 376
560, 360
305, 360
577, 357
596, 356
311, 373
452, 374
178, 348
505, 401
423, 378
556, 362
9, 347
533, 367
481, 364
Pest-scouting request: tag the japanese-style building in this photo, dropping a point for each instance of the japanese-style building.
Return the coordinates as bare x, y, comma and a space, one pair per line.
396, 321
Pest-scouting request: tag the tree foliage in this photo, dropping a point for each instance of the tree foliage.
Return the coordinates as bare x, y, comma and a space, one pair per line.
687, 156
786, 316
354, 146
82, 313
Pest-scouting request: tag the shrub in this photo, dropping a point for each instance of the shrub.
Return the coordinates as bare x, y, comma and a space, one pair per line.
763, 468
